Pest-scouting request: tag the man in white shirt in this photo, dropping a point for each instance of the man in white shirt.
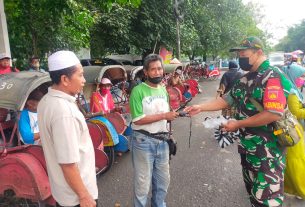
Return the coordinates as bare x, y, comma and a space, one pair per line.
65, 136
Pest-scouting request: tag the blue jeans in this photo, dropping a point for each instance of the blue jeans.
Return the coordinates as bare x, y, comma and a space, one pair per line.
150, 159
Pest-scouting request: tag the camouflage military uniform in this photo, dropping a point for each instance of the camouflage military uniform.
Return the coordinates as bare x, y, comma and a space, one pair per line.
262, 159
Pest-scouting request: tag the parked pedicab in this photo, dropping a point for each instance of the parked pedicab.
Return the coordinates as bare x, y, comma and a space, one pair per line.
114, 125
207, 71
169, 69
211, 72
23, 172
184, 92
22, 167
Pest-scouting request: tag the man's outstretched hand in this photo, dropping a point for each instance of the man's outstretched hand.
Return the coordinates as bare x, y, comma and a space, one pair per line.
193, 110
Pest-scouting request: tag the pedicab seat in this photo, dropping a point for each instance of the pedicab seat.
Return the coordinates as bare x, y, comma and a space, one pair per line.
3, 114
96, 135
5, 125
118, 121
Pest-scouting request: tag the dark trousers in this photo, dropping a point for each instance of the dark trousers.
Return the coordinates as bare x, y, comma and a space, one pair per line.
57, 205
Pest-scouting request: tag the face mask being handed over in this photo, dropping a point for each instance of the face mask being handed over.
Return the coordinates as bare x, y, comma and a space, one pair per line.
155, 80
244, 63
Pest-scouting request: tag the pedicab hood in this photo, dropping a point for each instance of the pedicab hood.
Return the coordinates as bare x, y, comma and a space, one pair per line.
16, 87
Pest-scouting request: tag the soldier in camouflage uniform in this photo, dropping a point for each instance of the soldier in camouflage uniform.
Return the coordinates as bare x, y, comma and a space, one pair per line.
262, 158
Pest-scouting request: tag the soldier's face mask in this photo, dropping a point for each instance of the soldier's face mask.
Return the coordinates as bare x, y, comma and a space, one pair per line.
244, 62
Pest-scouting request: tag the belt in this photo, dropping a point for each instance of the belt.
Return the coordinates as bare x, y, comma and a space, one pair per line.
160, 135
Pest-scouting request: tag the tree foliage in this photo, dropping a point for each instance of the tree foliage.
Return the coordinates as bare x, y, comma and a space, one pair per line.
111, 34
208, 28
38, 27
294, 40
221, 24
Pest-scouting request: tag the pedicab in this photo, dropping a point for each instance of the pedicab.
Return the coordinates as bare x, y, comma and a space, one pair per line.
211, 72
136, 76
113, 125
189, 89
169, 69
23, 172
22, 167
186, 69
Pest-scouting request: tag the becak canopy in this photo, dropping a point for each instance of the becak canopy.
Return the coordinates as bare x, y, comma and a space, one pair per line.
175, 61
16, 87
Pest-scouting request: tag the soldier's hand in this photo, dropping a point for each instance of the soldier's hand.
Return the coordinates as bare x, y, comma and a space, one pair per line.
231, 126
170, 116
193, 110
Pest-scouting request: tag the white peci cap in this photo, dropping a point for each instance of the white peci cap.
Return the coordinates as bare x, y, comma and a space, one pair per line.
61, 60
4, 56
105, 81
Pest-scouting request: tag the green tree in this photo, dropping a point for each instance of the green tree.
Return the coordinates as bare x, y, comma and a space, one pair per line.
38, 27
124, 29
294, 40
154, 24
221, 24
112, 32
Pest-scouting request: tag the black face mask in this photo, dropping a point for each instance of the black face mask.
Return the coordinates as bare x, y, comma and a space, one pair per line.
155, 80
244, 63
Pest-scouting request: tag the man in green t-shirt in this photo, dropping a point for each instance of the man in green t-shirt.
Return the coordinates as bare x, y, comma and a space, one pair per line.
150, 111
262, 158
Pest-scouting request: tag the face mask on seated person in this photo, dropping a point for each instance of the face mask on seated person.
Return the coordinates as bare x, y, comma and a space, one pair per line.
104, 91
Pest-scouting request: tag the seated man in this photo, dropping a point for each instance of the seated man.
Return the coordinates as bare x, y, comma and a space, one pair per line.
102, 101
5, 66
175, 80
28, 125
35, 65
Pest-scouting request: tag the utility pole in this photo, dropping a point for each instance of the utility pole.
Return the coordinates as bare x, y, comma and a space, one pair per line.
179, 18
178, 38
4, 40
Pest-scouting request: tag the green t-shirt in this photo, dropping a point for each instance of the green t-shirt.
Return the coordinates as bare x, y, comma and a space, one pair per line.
146, 100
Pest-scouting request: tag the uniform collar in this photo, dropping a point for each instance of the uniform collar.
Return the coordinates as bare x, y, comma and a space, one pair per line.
60, 94
264, 66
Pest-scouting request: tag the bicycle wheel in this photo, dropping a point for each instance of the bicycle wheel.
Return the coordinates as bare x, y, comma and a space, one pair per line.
111, 155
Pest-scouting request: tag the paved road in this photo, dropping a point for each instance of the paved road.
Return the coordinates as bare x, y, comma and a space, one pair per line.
203, 175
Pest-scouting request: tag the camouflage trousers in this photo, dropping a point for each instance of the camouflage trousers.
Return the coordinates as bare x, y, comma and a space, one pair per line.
265, 185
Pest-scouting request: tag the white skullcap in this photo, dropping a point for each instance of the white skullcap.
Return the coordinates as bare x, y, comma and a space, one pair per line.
4, 56
61, 60
105, 81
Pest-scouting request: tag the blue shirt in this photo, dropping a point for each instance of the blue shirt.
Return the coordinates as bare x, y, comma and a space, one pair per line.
28, 126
